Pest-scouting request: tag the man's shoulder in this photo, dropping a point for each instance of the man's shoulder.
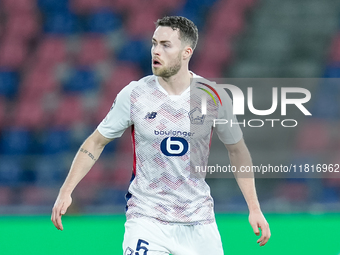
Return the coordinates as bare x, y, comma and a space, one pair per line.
138, 87
149, 80
199, 80
146, 80
133, 84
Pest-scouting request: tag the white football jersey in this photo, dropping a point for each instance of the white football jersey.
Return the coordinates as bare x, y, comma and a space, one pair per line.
170, 135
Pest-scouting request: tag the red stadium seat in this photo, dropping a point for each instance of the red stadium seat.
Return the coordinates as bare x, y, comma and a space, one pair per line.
337, 143
226, 19
167, 6
313, 137
29, 114
122, 5
93, 50
2, 112
219, 50
5, 196
104, 106
22, 26
69, 112
12, 53
207, 69
51, 51
335, 49
11, 6
126, 6
211, 63
121, 76
84, 195
38, 82
294, 192
87, 190
141, 22
95, 176
240, 4
87, 6
226, 22
159, 6
33, 195
121, 173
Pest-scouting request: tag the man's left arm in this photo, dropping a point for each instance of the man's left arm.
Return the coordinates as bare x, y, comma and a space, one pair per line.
240, 157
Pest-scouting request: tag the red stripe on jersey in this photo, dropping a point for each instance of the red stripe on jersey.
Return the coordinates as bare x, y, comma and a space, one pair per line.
134, 148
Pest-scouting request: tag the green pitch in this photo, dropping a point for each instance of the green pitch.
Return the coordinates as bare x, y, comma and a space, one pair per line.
291, 234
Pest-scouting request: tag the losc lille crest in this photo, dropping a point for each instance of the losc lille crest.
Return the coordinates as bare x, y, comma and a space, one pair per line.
196, 116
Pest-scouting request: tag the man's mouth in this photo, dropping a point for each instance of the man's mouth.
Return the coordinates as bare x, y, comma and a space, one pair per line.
156, 63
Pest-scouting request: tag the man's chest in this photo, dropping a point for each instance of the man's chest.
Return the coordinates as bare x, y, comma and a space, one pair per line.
154, 117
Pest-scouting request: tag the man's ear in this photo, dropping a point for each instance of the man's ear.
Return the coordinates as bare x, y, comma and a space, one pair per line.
187, 53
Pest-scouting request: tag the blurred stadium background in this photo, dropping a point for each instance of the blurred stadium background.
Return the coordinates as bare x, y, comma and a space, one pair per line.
63, 61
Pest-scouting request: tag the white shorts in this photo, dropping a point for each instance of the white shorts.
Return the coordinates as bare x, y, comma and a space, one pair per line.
145, 237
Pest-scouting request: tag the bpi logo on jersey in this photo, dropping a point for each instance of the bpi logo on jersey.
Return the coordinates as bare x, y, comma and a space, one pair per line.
174, 146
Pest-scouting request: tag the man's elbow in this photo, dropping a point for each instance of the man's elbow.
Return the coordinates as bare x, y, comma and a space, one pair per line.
238, 150
98, 140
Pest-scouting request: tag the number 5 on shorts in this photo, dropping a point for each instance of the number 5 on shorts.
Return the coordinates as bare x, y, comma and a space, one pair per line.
140, 247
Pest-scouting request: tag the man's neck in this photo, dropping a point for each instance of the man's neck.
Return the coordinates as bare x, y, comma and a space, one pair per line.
176, 84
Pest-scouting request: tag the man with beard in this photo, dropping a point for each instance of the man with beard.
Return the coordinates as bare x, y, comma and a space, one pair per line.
169, 209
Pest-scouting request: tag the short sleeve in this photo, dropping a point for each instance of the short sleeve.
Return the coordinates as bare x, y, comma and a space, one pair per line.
229, 133
119, 118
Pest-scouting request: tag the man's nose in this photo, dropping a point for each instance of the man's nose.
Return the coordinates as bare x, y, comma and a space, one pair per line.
155, 50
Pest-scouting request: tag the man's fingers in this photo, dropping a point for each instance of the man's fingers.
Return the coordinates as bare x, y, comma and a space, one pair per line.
63, 209
56, 217
263, 240
255, 229
60, 225
265, 235
52, 215
258, 222
53, 218
59, 209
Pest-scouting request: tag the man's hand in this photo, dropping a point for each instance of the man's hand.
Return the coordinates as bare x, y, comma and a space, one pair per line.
258, 221
59, 209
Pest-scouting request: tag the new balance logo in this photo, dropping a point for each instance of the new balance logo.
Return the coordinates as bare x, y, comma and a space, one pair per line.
151, 115
128, 251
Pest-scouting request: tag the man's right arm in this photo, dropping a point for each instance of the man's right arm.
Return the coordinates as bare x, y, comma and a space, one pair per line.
85, 158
